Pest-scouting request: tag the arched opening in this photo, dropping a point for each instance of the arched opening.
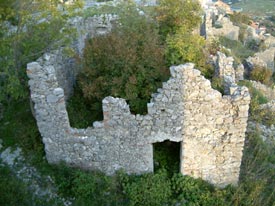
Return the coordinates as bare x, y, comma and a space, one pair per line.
167, 156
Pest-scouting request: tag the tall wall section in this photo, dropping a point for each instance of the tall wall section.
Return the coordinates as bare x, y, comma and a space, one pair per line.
214, 130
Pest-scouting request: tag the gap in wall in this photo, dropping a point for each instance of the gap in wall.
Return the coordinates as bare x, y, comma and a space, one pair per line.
167, 156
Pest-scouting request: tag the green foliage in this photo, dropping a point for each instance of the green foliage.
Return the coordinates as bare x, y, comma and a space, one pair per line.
239, 18
20, 127
217, 83
256, 95
91, 189
173, 15
190, 191
149, 189
167, 156
81, 113
213, 46
7, 10
12, 191
261, 74
257, 113
184, 47
257, 172
238, 50
178, 21
128, 62
39, 27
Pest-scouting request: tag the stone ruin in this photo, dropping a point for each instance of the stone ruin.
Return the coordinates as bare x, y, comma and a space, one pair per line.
217, 23
224, 69
209, 127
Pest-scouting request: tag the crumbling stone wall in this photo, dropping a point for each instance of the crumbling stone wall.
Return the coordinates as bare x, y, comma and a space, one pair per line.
211, 128
214, 130
267, 56
217, 24
224, 69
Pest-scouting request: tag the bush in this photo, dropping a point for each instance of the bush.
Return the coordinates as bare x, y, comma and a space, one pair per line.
81, 113
184, 47
190, 191
127, 62
257, 171
261, 74
172, 15
13, 191
167, 156
239, 18
94, 189
218, 84
257, 113
149, 189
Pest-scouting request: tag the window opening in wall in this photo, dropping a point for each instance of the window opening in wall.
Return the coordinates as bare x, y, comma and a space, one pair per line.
167, 156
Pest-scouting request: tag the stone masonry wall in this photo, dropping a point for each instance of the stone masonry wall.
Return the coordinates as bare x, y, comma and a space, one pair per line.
217, 24
214, 131
225, 70
211, 128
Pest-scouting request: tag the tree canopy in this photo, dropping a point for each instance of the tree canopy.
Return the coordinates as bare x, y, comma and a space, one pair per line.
28, 29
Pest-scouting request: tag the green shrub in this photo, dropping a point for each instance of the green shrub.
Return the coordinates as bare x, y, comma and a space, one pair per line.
239, 18
167, 156
91, 189
26, 134
190, 191
258, 114
82, 113
213, 46
257, 172
12, 190
218, 84
261, 74
173, 15
149, 189
184, 47
128, 62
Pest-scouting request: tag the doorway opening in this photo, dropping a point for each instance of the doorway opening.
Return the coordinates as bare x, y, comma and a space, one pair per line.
167, 156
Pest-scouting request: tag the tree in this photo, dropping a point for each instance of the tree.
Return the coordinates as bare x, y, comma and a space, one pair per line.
174, 14
37, 26
128, 62
179, 20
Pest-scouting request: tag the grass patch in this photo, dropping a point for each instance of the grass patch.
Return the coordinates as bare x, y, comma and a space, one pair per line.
238, 50
18, 126
256, 112
257, 171
255, 94
12, 190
